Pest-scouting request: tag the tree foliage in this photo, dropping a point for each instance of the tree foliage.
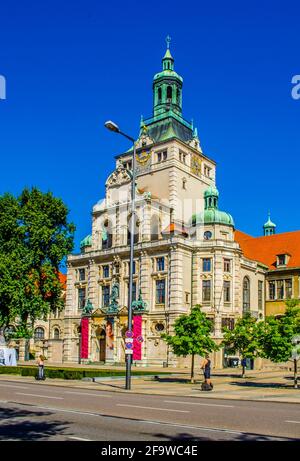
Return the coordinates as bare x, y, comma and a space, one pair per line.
242, 338
35, 237
275, 333
192, 335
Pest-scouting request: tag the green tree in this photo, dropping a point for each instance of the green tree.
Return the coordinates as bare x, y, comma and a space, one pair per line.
242, 339
275, 333
35, 237
192, 336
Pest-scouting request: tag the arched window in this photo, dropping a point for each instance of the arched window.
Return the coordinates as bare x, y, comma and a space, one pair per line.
154, 226
56, 333
107, 235
246, 295
169, 93
39, 333
159, 94
136, 231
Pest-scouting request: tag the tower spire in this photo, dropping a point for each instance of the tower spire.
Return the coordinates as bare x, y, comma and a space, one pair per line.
269, 227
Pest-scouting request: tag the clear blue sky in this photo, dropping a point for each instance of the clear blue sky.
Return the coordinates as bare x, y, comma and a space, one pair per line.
70, 66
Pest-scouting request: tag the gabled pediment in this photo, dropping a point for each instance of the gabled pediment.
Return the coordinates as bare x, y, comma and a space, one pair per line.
118, 177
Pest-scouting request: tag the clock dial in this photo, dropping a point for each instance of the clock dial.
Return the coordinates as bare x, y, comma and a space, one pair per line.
143, 156
207, 235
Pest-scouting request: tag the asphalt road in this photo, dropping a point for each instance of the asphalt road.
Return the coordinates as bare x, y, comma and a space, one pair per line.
37, 411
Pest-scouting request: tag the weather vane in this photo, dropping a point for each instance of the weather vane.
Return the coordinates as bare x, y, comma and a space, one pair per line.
168, 40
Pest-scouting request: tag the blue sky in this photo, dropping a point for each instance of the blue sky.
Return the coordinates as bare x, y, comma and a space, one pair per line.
70, 66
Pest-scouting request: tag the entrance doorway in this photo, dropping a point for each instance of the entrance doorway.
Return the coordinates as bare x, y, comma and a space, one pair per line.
102, 345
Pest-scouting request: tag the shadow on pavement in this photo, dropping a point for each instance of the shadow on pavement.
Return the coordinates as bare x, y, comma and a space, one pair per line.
12, 427
227, 437
261, 385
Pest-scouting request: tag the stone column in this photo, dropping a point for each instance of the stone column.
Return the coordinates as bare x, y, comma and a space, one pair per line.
67, 345
22, 347
176, 283
145, 278
92, 293
196, 281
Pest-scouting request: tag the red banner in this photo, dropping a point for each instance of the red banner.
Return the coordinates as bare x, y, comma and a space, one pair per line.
84, 353
137, 337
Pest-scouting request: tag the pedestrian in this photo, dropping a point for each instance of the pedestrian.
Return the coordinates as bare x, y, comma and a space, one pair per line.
40, 362
206, 364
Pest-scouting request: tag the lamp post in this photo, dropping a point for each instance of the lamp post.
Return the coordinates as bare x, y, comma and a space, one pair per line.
113, 127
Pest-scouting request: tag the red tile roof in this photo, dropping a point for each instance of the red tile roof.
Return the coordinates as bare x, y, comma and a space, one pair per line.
265, 249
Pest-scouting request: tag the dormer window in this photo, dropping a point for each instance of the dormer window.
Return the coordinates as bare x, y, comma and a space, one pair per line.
282, 259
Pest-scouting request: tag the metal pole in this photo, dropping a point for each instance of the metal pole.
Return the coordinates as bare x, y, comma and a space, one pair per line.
132, 231
295, 374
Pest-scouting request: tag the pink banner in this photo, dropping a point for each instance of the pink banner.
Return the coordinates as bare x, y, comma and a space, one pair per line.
84, 353
137, 337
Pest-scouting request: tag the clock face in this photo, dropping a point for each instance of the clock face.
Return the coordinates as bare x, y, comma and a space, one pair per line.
207, 235
143, 156
196, 165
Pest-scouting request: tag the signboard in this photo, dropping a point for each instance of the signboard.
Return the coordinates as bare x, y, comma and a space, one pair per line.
129, 334
128, 351
129, 345
128, 340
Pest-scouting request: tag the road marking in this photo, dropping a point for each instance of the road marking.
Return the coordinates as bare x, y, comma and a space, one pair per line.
80, 438
85, 393
43, 396
196, 403
293, 422
9, 386
209, 429
151, 408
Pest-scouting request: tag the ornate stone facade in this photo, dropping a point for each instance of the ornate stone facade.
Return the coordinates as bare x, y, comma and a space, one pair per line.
185, 252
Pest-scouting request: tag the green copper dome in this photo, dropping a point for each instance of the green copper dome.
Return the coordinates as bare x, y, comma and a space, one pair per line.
211, 214
211, 192
269, 223
86, 242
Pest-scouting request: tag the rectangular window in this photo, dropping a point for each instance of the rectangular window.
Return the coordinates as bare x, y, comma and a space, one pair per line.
81, 274
105, 270
226, 291
227, 265
206, 264
134, 298
105, 295
281, 260
81, 298
206, 290
160, 264
288, 288
280, 289
260, 294
160, 291
228, 322
207, 171
182, 157
165, 155
272, 289
134, 266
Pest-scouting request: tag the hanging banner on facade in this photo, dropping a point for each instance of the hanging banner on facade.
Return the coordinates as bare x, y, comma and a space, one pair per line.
137, 334
109, 338
84, 353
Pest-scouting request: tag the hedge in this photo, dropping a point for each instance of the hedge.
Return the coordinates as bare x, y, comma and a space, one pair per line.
69, 373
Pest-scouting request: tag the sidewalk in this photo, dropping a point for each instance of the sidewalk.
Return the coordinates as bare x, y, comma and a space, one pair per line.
270, 385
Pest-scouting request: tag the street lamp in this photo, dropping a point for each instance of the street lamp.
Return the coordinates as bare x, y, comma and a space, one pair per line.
113, 127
